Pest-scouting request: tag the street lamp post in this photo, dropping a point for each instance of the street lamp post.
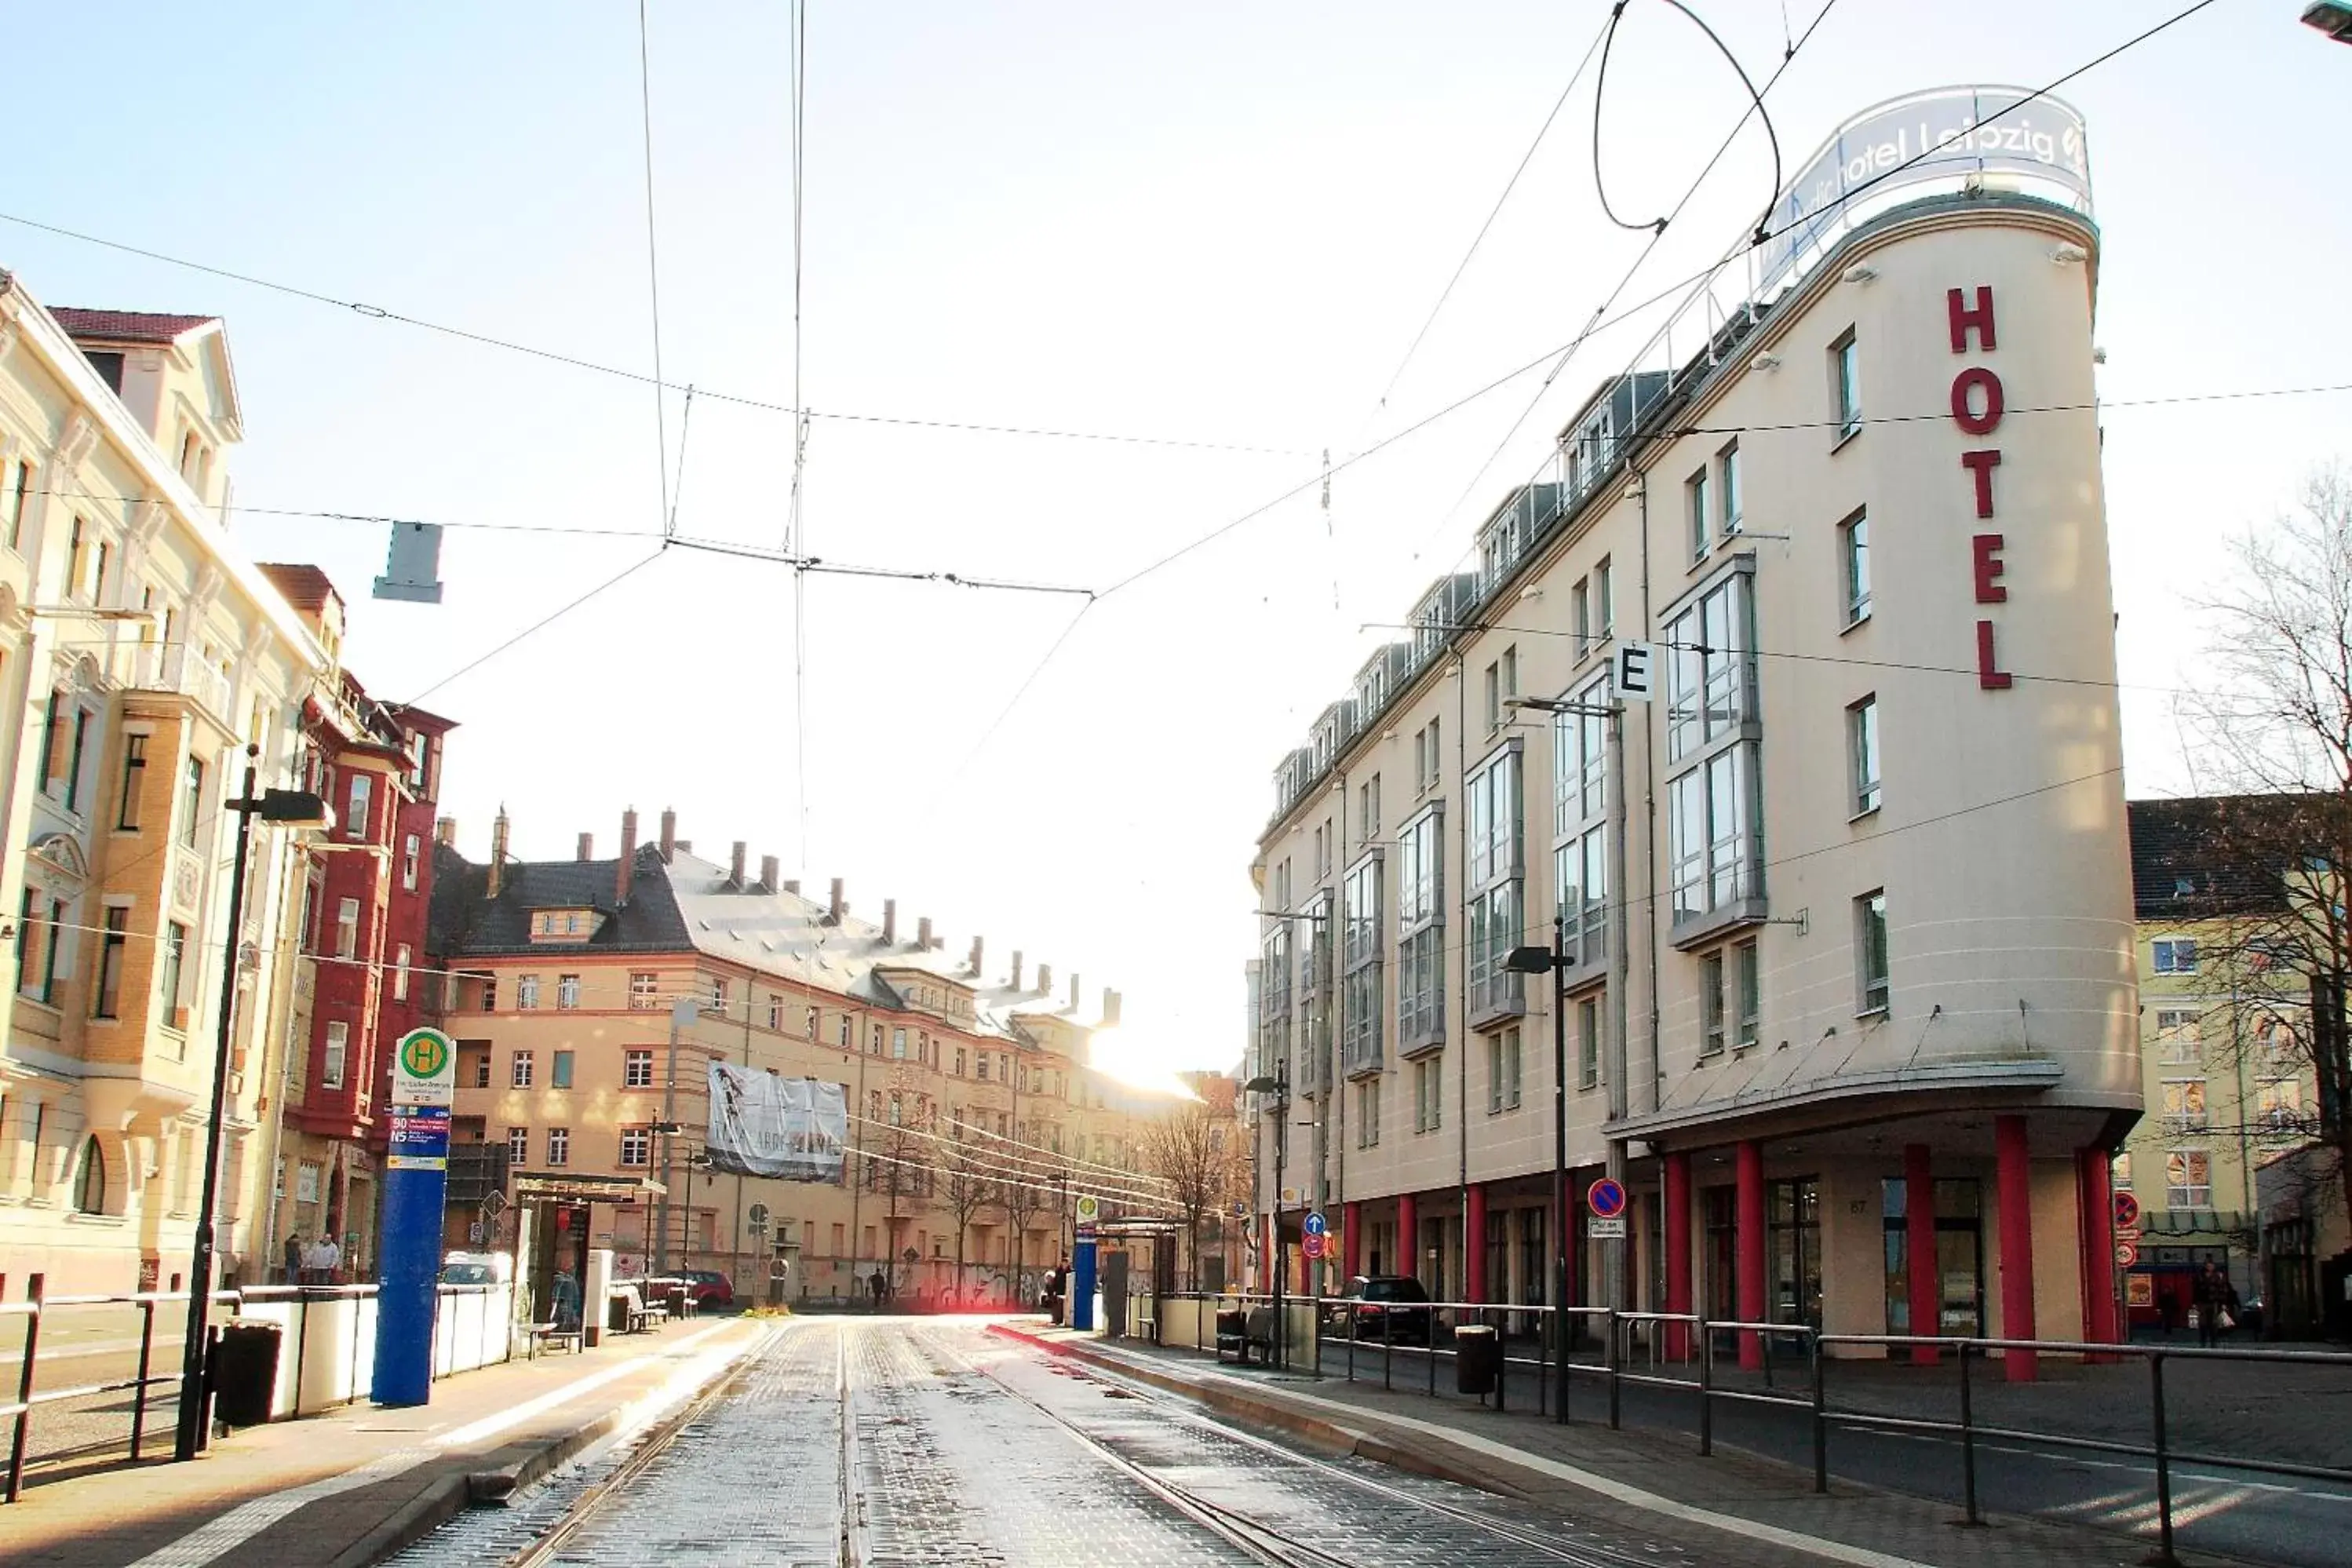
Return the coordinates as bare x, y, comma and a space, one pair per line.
1279, 1087
294, 808
682, 1015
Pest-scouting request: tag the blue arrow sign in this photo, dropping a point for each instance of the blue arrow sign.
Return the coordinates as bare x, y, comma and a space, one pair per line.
1606, 1197
1315, 1224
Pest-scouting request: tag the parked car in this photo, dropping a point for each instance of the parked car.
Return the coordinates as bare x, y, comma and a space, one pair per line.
1381, 1305
476, 1268
712, 1289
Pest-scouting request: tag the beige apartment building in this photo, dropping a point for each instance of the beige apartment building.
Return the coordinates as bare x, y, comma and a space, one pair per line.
975, 1113
141, 653
1829, 833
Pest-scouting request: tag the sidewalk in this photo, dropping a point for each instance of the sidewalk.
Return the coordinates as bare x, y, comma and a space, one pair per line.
347, 1489
1755, 1510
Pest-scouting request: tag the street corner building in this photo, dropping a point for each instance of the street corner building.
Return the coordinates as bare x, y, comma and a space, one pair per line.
1778, 709
144, 661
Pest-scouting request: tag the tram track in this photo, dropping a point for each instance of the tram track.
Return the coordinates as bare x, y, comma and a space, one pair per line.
1262, 1541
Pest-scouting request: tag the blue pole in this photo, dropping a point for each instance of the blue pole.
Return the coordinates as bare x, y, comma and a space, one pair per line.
406, 1300
1082, 1284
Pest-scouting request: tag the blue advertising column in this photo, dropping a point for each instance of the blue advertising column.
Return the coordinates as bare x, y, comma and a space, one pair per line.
417, 1173
1082, 1264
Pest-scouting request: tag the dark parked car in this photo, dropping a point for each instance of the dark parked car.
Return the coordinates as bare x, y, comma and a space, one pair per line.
1381, 1305
711, 1288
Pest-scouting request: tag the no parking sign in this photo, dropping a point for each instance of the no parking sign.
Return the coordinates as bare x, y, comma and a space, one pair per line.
1606, 1199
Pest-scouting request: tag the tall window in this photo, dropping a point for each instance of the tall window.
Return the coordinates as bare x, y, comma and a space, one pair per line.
567, 991
1495, 874
1845, 385
1711, 667
1429, 1093
1604, 602
1368, 1113
53, 731
1580, 603
2181, 1036
642, 985
1711, 834
2189, 1179
776, 1013
1580, 821
2174, 955
1503, 1071
1587, 1043
16, 493
1360, 962
897, 1045
1710, 1005
559, 1146
175, 953
2184, 1105
518, 1146
134, 780
1853, 554
558, 1070
1696, 501
411, 851
1367, 808
339, 1046
526, 992
1861, 753
637, 1069
1749, 981
347, 927
363, 792
399, 973
1421, 931
89, 1180
521, 1074
74, 757
192, 800
109, 962
1729, 491
1870, 944
636, 1146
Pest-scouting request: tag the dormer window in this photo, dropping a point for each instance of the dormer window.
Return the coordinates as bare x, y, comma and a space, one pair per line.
568, 926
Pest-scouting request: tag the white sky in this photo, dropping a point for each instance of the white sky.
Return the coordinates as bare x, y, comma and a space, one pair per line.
1219, 222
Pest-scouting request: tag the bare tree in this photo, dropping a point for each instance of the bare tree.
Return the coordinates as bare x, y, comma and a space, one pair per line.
969, 1188
2274, 728
1022, 1198
903, 1176
1194, 1151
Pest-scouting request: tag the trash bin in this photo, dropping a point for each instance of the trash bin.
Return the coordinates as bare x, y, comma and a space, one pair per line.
1478, 1359
244, 1372
616, 1314
674, 1298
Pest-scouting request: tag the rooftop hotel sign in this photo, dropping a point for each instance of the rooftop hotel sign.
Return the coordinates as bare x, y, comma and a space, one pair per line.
1960, 130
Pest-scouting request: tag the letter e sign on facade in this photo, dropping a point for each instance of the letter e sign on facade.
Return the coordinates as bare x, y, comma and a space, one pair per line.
1978, 406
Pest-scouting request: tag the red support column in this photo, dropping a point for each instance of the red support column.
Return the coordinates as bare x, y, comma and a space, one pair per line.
1926, 1284
1408, 1260
2013, 1182
1474, 1245
1351, 1239
1748, 1239
1678, 1252
2094, 1186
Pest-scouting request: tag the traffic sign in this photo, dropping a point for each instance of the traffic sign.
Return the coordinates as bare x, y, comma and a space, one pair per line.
1315, 1224
1606, 1227
2126, 1211
425, 1069
418, 1138
1606, 1198
1314, 1245
1090, 1209
2127, 1254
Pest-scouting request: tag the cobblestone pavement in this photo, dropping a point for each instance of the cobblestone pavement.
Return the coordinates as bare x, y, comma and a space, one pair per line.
962, 1448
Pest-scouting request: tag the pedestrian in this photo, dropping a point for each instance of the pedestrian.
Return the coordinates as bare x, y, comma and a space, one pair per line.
330, 1258
563, 1300
294, 1259
2217, 1300
2167, 1306
881, 1286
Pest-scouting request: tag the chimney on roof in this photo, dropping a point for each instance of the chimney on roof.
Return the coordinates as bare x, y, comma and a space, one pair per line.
890, 920
923, 933
627, 873
1073, 991
735, 864
793, 886
587, 846
445, 832
669, 834
1110, 1008
840, 905
768, 872
498, 852
1016, 969
1044, 980
975, 957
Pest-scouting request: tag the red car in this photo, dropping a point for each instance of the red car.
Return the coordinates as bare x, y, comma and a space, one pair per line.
711, 1288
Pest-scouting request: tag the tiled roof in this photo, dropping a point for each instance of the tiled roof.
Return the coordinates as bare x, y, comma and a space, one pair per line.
305, 588
126, 326
2203, 856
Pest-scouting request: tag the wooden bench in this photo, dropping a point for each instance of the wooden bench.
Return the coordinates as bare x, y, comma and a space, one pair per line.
548, 1336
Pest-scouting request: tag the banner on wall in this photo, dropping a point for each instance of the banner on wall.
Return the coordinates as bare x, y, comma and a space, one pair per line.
762, 1124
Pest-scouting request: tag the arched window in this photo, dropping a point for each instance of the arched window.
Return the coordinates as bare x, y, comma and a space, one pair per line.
90, 1180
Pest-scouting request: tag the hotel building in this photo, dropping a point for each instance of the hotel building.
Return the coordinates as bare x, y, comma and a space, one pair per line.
1828, 831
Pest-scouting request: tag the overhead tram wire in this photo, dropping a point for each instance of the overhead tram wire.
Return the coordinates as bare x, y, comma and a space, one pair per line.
767, 405
653, 270
1609, 40
543, 621
1494, 213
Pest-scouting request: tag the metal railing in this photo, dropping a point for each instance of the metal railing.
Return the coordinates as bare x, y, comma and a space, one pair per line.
313, 1375
1617, 1349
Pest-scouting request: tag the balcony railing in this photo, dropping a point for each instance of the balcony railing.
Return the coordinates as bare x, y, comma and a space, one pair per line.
178, 669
